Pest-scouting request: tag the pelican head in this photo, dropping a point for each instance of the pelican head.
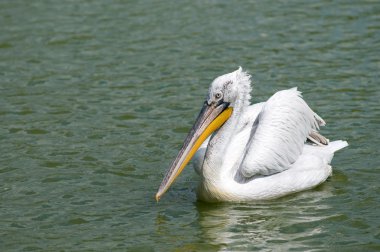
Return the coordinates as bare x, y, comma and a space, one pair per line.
233, 87
225, 94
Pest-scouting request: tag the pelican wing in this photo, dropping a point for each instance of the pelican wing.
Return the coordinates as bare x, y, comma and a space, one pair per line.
278, 134
317, 138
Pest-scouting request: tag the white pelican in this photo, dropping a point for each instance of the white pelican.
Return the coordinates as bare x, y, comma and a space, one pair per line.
258, 151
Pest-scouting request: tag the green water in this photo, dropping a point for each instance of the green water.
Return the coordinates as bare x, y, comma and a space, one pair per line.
96, 98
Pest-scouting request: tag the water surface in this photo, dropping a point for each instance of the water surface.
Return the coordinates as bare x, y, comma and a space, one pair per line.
96, 98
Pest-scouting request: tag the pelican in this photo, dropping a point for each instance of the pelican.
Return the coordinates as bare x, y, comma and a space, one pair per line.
246, 152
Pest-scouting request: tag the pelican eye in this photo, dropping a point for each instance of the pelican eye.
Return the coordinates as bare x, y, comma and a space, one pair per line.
218, 95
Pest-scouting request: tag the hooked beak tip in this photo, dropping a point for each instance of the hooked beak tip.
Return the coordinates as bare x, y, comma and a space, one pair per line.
158, 196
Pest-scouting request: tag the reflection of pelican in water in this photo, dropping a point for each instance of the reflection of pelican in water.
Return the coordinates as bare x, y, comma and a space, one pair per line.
258, 151
280, 225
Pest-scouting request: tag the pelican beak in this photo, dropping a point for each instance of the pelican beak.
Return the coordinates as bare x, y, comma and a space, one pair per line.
211, 118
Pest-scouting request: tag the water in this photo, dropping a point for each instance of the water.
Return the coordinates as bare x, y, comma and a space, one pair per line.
96, 98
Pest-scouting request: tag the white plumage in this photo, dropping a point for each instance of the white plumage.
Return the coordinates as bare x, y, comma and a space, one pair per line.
278, 124
260, 151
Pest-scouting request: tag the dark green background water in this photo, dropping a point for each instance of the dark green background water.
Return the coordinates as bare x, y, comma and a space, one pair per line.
96, 97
